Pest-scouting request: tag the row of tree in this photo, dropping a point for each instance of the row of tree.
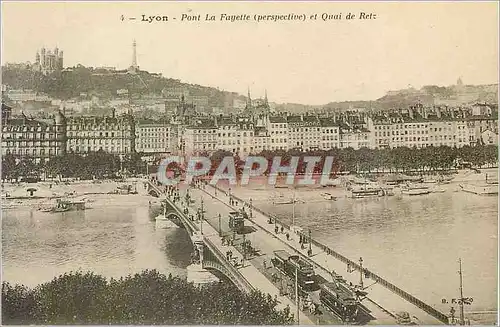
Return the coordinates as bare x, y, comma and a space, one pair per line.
401, 159
104, 165
98, 164
145, 298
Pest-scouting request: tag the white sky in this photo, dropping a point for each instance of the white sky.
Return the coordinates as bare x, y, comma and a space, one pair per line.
312, 62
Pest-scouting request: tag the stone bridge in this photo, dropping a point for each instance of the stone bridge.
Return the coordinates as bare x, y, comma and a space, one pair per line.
203, 237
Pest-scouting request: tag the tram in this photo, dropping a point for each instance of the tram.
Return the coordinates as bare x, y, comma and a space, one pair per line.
339, 299
290, 265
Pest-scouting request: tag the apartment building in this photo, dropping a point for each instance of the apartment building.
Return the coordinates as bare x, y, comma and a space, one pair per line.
153, 137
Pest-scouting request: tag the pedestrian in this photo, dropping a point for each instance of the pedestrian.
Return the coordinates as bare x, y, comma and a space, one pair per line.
288, 237
282, 229
265, 264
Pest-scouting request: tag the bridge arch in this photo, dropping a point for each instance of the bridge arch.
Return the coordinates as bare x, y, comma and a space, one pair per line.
213, 259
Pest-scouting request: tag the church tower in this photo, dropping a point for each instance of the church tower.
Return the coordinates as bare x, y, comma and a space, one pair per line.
249, 100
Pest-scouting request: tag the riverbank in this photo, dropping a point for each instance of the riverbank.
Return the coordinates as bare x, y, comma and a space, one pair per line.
95, 194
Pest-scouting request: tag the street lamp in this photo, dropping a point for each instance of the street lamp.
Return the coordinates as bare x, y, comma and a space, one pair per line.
201, 217
220, 228
251, 213
361, 272
309, 252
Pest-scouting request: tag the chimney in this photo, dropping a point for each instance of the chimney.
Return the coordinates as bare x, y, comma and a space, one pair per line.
438, 112
301, 117
113, 112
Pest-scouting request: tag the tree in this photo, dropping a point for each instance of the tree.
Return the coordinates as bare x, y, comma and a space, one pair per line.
144, 298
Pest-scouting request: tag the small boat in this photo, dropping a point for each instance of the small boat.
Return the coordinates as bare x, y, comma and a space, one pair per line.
280, 186
45, 209
438, 190
283, 201
369, 190
486, 189
415, 189
60, 209
329, 197
67, 205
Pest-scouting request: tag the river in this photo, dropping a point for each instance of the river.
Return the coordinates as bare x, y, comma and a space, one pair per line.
113, 240
414, 242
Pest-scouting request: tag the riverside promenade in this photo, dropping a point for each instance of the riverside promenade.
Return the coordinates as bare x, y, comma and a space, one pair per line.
383, 302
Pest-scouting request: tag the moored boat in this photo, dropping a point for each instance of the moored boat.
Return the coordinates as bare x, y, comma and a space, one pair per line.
415, 189
486, 189
367, 191
328, 196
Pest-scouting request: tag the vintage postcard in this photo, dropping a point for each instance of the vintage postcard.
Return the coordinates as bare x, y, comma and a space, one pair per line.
249, 163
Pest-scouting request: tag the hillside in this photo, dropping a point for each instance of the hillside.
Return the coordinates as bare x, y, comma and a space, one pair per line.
76, 80
427, 95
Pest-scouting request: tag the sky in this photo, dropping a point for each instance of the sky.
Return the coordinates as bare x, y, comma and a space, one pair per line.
309, 62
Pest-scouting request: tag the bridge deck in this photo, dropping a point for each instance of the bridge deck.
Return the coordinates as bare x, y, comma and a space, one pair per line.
383, 303
249, 272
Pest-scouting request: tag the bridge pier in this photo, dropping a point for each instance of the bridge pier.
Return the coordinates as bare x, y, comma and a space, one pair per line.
195, 272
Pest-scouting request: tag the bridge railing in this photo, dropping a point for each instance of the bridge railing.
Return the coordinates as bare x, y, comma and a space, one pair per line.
234, 272
405, 295
245, 285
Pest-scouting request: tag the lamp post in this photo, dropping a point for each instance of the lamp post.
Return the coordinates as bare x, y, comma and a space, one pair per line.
244, 251
202, 215
361, 272
310, 249
220, 228
297, 293
251, 212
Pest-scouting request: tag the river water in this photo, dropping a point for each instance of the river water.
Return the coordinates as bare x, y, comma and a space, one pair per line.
414, 242
114, 241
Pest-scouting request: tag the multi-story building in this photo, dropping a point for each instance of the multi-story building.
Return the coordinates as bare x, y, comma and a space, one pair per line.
153, 137
482, 118
261, 140
245, 135
419, 127
277, 127
330, 134
304, 132
200, 137
37, 139
227, 130
115, 134
354, 137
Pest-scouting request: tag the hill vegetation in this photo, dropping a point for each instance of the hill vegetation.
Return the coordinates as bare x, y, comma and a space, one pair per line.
76, 80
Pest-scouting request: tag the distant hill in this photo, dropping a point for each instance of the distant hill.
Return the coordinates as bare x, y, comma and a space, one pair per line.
76, 80
73, 81
427, 95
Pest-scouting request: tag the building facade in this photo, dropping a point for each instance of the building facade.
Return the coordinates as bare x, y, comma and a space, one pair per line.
153, 137
47, 61
115, 134
37, 139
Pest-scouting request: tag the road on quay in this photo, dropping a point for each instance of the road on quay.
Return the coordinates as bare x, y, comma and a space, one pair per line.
249, 272
382, 303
